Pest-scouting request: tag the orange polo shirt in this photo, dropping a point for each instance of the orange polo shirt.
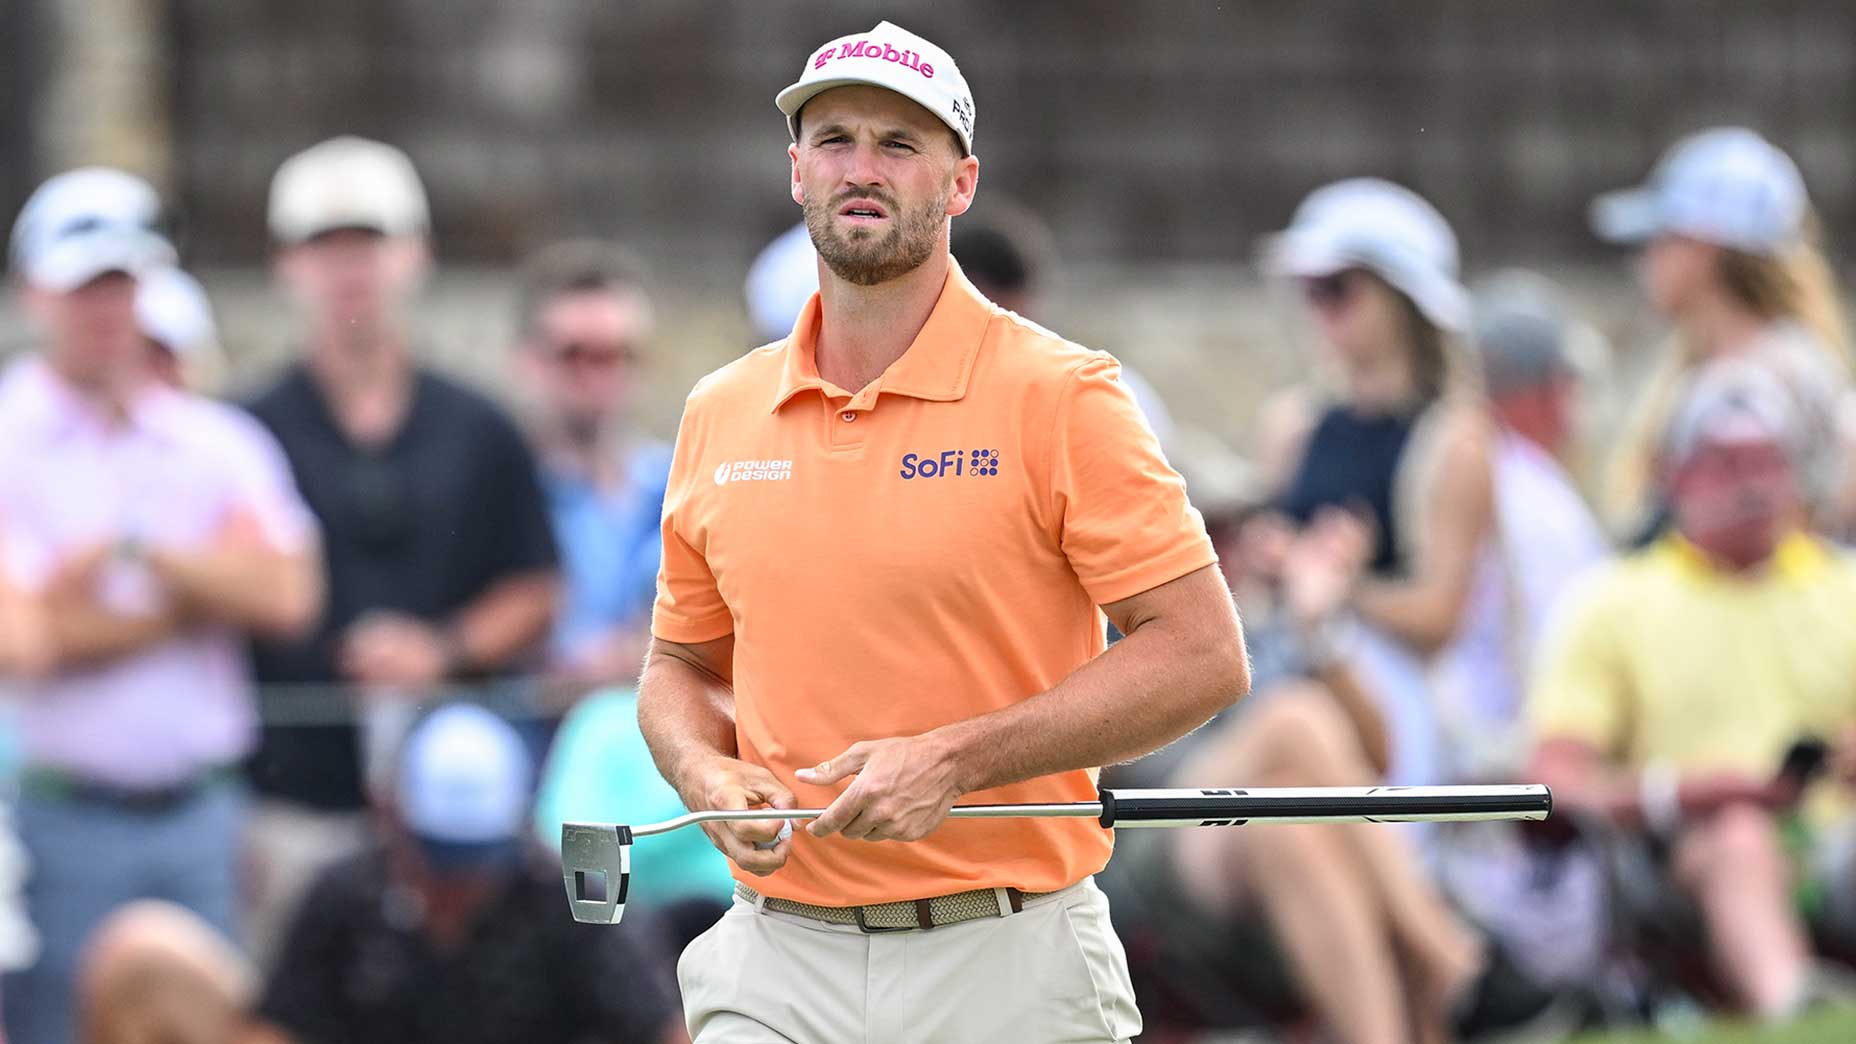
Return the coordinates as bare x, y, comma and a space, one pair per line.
930, 548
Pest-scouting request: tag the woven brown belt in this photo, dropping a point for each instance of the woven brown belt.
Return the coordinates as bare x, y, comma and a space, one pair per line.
907, 915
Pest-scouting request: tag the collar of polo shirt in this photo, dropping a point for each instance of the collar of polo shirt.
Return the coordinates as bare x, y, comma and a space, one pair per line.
935, 367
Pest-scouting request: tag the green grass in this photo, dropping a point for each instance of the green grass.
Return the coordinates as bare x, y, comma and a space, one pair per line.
1836, 1026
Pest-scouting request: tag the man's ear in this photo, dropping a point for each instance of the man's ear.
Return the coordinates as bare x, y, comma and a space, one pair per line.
799, 188
966, 183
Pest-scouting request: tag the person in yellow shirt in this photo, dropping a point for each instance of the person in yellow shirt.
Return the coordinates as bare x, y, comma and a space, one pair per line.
1678, 678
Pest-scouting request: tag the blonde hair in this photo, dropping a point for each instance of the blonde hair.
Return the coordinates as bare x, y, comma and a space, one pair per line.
1797, 285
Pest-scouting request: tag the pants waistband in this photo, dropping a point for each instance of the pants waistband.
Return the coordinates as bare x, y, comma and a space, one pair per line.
54, 783
909, 915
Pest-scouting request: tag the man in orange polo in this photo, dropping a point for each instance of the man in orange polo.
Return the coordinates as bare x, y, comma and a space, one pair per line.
889, 542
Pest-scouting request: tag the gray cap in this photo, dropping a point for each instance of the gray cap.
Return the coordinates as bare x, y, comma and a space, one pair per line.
1521, 327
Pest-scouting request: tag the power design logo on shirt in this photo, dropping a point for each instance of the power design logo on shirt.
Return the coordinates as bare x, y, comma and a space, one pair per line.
978, 463
753, 471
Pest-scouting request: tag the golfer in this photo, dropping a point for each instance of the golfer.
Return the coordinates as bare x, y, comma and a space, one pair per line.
889, 542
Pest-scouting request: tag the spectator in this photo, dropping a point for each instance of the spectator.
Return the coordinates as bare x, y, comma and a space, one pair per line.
584, 321
1331, 923
1544, 533
446, 933
1730, 258
151, 545
154, 973
1678, 677
1403, 452
441, 566
182, 340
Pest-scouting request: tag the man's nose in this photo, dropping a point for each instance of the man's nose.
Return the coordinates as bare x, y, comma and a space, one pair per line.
865, 168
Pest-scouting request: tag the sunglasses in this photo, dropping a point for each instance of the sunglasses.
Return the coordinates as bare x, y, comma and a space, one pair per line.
1330, 291
577, 354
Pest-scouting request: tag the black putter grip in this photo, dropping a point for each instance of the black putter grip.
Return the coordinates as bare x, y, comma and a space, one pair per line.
1107, 797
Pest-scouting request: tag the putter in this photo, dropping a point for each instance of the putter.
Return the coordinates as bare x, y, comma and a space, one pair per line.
596, 858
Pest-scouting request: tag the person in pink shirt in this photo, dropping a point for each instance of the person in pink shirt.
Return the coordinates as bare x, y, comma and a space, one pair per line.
148, 537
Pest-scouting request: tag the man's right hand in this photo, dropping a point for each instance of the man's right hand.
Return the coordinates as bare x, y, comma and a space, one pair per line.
728, 783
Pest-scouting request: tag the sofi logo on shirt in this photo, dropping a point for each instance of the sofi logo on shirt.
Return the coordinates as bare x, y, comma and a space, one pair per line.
753, 471
978, 463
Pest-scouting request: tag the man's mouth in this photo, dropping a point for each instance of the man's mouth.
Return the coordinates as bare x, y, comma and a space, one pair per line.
862, 209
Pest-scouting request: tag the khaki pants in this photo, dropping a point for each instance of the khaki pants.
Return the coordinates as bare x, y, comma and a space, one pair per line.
1053, 972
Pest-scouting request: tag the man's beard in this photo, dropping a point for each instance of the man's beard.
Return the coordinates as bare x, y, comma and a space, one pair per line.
863, 259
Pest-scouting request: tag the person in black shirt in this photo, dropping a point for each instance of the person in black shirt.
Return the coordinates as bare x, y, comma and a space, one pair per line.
448, 934
441, 561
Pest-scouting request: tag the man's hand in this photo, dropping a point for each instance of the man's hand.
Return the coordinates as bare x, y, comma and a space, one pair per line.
394, 649
732, 784
903, 790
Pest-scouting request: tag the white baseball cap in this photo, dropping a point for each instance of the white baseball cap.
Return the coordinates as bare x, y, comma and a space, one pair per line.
1726, 186
1734, 400
464, 784
85, 223
347, 182
1384, 228
891, 57
171, 308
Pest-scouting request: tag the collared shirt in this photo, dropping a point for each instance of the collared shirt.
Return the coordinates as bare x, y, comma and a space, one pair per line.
1662, 657
929, 548
171, 474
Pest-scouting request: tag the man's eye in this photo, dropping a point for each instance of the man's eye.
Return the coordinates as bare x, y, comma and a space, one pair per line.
900, 145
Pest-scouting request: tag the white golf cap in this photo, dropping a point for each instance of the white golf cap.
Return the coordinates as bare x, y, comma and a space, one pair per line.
1732, 401
888, 56
172, 309
347, 182
1384, 228
1727, 186
780, 281
464, 778
85, 223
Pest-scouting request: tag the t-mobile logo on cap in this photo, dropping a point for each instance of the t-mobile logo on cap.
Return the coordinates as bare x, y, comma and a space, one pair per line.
753, 471
871, 49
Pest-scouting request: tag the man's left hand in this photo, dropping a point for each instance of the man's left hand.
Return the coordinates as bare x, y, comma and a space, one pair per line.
903, 790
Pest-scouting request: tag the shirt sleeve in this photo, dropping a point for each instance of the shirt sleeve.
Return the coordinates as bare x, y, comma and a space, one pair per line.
1126, 525
1581, 685
262, 484
689, 605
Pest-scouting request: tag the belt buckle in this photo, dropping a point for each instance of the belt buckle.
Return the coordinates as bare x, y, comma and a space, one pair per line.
863, 926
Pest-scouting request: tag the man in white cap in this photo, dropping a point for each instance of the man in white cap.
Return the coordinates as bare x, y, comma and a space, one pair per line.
889, 539
441, 562
151, 547
1677, 684
176, 320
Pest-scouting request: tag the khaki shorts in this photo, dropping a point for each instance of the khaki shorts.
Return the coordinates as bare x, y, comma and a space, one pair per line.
1053, 972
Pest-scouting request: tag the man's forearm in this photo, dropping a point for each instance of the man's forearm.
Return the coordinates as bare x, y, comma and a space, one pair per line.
270, 592
1155, 685
82, 633
686, 713
505, 621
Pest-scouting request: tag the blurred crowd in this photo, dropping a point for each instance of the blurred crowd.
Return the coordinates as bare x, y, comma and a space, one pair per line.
304, 681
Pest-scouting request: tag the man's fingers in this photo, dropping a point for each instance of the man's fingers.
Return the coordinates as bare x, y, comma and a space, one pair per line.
839, 814
848, 763
754, 860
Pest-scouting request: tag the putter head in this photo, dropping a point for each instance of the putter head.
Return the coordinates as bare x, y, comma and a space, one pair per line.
596, 865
